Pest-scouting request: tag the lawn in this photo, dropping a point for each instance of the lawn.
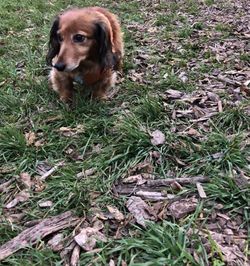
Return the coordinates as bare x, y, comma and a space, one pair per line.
186, 77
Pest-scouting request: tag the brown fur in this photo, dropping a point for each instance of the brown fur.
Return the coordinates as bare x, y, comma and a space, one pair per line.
94, 60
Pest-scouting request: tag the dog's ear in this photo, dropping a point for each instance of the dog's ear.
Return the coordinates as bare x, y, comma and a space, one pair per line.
54, 45
107, 58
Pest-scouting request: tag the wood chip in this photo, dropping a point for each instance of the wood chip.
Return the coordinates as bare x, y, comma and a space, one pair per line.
74, 260
220, 108
116, 213
45, 204
201, 191
34, 234
139, 209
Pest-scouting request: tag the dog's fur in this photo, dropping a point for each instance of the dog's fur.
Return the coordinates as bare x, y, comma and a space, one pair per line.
85, 45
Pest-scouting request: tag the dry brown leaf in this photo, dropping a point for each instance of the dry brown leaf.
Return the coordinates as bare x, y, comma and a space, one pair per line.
56, 243
139, 209
30, 138
181, 208
6, 169
116, 213
142, 167
158, 138
20, 197
39, 143
87, 238
193, 132
69, 132
135, 179
14, 218
86, 173
26, 180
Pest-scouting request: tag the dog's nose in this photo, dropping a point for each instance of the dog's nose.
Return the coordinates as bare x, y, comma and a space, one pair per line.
60, 66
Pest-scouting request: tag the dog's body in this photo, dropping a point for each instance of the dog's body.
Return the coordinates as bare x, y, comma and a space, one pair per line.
85, 46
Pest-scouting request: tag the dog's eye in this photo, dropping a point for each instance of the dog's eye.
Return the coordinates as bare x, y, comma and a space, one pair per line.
78, 38
59, 37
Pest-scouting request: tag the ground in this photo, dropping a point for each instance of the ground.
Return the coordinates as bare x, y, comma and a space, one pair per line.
180, 110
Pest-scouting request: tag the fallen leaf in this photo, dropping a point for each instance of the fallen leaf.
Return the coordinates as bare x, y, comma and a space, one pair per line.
142, 167
193, 132
158, 138
20, 197
6, 169
15, 217
26, 180
86, 173
139, 209
69, 132
116, 213
135, 179
30, 138
87, 238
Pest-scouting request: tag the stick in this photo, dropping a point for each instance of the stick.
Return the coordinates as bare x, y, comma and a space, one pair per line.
51, 171
156, 185
34, 234
181, 180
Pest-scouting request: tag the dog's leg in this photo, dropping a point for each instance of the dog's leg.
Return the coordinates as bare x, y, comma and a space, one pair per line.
99, 92
62, 84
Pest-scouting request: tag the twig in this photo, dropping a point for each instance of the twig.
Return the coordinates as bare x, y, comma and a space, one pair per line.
228, 81
181, 180
156, 186
51, 171
34, 234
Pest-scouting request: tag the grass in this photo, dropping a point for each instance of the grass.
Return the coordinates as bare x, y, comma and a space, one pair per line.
120, 128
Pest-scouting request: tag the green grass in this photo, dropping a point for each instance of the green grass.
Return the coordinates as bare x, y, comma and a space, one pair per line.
177, 37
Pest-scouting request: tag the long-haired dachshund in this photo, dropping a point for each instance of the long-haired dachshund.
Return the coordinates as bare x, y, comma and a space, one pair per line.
85, 46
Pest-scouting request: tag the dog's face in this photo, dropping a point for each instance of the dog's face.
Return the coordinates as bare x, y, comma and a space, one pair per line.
79, 35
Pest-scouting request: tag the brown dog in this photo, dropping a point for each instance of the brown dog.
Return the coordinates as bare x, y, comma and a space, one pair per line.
85, 46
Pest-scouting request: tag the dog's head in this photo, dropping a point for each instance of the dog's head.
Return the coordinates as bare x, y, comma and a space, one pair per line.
80, 35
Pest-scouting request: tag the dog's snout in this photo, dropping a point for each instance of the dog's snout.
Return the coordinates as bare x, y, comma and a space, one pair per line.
59, 66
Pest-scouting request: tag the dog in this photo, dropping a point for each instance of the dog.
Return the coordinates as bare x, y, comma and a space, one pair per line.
85, 46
